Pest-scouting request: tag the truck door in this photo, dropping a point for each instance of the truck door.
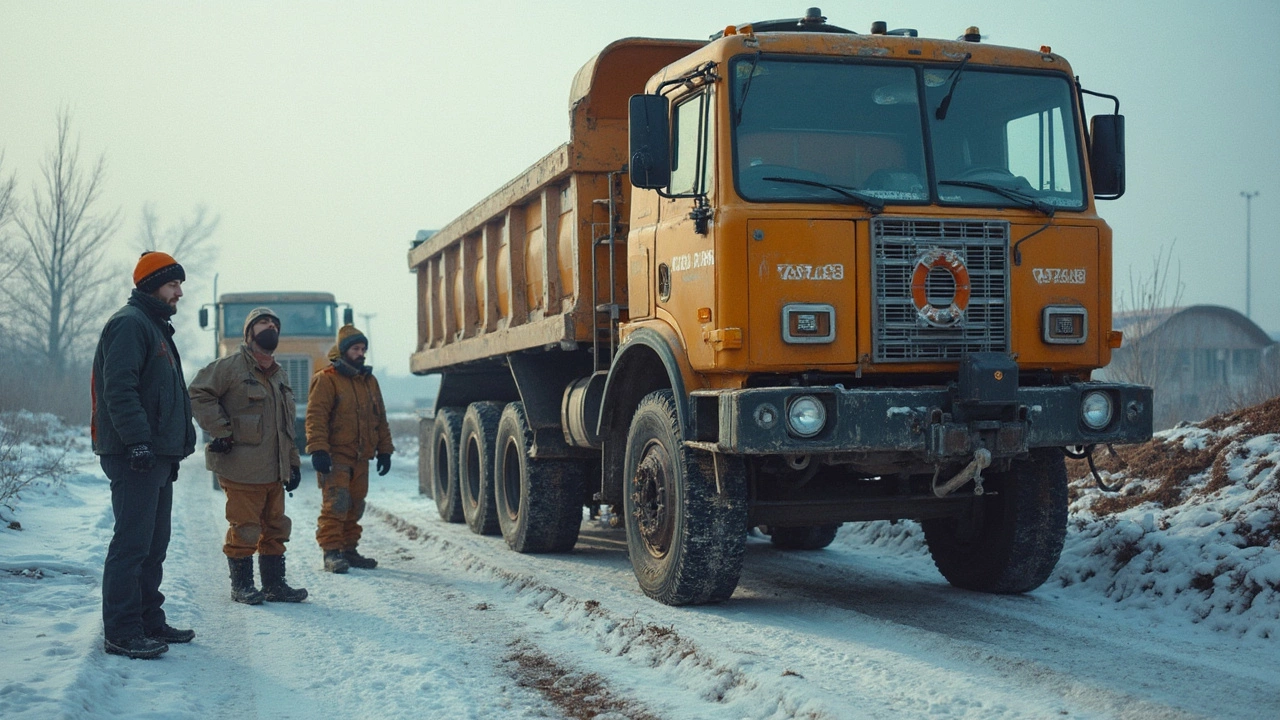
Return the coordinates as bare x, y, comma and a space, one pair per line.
684, 255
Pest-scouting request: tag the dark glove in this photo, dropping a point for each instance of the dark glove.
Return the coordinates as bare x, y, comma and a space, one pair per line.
173, 473
295, 477
141, 459
321, 461
384, 463
221, 445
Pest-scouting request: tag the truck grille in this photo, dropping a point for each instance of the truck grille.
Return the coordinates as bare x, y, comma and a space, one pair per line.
298, 370
900, 333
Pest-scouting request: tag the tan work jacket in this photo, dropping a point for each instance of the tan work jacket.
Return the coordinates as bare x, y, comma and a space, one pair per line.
233, 396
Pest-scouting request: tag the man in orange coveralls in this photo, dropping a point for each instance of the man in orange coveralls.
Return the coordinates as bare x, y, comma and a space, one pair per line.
346, 426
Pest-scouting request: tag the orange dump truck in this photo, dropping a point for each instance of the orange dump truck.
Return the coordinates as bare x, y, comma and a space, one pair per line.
787, 278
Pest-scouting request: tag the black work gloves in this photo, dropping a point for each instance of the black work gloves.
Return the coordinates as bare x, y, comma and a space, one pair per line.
295, 477
141, 459
173, 472
321, 461
384, 463
221, 445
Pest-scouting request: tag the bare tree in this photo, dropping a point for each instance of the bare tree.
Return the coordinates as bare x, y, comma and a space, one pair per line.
186, 240
9, 260
55, 293
1149, 301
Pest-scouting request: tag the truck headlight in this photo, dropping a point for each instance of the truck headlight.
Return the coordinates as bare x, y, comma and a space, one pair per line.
806, 416
1096, 409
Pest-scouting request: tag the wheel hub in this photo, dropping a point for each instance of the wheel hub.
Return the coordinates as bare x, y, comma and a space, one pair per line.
650, 488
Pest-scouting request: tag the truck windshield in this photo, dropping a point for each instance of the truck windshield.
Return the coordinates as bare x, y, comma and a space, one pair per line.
296, 319
1007, 137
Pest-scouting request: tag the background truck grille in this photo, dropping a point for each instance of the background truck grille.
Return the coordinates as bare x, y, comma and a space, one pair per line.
298, 370
900, 334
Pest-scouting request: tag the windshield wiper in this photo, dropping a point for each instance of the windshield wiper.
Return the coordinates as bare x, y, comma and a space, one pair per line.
746, 88
941, 112
1021, 198
874, 204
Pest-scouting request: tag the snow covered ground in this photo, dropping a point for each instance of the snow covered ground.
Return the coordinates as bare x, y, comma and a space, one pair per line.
1166, 604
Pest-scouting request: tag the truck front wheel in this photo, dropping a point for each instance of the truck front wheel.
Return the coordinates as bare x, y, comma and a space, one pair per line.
686, 539
539, 501
1013, 538
446, 436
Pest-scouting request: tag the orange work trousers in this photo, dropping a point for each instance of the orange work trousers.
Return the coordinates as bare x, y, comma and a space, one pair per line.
342, 505
256, 516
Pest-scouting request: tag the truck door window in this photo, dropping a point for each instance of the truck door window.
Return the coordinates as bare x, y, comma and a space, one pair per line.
690, 137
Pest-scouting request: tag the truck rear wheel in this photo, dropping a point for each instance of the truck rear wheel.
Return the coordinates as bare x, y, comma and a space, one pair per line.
1013, 539
810, 537
539, 501
685, 539
475, 466
446, 436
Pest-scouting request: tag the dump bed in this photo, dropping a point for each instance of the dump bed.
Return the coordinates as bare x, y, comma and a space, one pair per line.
540, 262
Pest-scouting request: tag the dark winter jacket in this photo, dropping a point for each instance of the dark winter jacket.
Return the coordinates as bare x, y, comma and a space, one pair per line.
139, 393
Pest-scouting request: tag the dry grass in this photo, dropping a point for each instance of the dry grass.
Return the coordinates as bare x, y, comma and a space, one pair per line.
581, 696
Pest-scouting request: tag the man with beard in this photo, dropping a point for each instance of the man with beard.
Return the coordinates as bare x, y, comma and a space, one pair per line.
246, 405
346, 426
141, 429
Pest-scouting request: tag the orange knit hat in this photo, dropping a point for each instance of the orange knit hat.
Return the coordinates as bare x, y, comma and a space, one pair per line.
154, 269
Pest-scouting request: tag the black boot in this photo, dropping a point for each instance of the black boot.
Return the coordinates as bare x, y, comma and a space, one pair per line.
273, 585
242, 589
334, 562
356, 560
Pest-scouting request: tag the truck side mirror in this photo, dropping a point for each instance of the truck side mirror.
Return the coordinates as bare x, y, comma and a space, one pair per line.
1106, 156
649, 154
348, 316
204, 318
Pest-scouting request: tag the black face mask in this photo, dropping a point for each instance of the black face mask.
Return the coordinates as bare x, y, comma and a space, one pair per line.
267, 339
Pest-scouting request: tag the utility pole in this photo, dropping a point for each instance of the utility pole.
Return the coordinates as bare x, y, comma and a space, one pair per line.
1248, 262
368, 322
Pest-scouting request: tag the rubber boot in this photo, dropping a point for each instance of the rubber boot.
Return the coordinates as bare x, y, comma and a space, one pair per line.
242, 589
356, 560
274, 588
334, 562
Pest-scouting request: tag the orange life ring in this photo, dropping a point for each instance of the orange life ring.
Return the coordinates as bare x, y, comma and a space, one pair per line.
950, 261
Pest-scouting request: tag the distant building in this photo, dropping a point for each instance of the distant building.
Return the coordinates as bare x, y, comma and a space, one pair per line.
1200, 360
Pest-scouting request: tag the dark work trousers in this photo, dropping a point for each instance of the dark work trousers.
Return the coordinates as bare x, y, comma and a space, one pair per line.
142, 503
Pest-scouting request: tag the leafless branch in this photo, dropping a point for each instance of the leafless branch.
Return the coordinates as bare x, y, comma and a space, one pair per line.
57, 290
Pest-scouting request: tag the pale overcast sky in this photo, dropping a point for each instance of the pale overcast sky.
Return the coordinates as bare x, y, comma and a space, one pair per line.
326, 134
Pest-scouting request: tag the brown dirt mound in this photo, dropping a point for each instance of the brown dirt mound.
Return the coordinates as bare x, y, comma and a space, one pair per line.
1170, 464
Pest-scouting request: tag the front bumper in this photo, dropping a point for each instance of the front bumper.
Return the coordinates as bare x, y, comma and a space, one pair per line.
929, 422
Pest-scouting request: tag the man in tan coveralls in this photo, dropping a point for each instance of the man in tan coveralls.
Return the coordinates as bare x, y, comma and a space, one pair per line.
346, 426
246, 405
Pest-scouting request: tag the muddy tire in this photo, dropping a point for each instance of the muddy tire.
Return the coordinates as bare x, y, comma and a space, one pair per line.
425, 426
446, 437
475, 467
1011, 543
811, 537
539, 501
685, 539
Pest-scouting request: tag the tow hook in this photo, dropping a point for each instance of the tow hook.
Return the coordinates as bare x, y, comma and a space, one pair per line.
972, 471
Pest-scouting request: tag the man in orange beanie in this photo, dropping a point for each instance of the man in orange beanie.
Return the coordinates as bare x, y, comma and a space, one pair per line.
346, 427
141, 428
